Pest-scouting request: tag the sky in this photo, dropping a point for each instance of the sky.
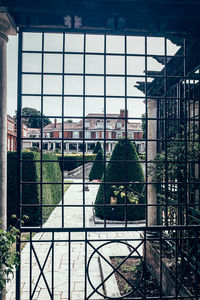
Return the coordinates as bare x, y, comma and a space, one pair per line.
94, 85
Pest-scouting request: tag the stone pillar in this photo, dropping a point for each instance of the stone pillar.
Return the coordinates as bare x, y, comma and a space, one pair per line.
7, 27
86, 147
77, 149
54, 146
109, 147
67, 147
151, 153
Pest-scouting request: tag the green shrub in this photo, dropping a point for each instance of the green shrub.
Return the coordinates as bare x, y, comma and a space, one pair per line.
31, 191
98, 167
97, 148
72, 161
118, 171
9, 258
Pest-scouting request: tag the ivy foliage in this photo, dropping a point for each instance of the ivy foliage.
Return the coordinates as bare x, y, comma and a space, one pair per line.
180, 150
9, 258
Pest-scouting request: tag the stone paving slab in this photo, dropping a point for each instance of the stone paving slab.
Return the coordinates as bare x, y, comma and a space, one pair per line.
78, 249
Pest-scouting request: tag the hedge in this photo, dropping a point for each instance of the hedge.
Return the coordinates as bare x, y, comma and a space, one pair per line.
116, 171
73, 161
52, 193
97, 167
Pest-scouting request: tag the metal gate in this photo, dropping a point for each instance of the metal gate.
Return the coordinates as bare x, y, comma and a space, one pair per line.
134, 234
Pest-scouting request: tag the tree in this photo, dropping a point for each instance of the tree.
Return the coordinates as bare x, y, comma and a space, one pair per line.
35, 122
129, 185
97, 148
97, 167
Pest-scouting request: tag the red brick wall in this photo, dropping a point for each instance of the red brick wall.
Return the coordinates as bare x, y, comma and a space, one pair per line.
56, 134
68, 134
93, 135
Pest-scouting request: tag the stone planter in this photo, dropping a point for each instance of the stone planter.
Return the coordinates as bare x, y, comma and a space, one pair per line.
113, 200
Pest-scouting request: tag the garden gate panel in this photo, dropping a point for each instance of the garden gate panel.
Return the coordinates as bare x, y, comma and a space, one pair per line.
134, 234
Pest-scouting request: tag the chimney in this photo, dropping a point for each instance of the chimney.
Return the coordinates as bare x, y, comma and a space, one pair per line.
123, 113
55, 123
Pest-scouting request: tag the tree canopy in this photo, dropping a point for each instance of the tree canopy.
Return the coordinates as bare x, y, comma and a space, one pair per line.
34, 122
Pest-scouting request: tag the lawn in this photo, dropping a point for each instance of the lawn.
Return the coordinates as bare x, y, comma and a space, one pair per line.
66, 185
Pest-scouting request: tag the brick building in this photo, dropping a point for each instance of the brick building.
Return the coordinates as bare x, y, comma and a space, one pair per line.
94, 131
12, 133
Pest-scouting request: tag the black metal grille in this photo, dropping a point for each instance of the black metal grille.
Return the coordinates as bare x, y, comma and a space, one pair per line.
169, 243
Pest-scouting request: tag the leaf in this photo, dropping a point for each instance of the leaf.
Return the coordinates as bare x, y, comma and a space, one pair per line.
122, 194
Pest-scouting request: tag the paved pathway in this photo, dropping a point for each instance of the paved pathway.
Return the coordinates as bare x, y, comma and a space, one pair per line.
77, 250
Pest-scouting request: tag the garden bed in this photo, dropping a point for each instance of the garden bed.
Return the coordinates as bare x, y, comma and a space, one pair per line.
132, 270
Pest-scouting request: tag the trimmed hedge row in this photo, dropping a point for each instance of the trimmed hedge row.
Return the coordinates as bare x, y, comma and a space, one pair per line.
52, 193
73, 161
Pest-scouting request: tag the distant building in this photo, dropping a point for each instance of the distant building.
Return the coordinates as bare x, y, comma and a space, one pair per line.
12, 133
94, 131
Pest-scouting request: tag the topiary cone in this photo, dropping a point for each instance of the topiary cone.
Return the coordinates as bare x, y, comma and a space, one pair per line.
119, 171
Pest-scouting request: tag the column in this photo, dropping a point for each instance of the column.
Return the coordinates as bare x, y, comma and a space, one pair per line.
86, 147
77, 150
109, 147
7, 27
54, 146
151, 153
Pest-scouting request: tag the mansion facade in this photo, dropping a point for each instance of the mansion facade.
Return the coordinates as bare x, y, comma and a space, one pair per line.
94, 128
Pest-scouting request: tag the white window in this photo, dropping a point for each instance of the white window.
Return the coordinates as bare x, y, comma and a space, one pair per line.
60, 134
12, 145
109, 134
87, 124
8, 144
119, 135
75, 134
102, 134
119, 125
130, 135
100, 124
48, 134
97, 135
88, 135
